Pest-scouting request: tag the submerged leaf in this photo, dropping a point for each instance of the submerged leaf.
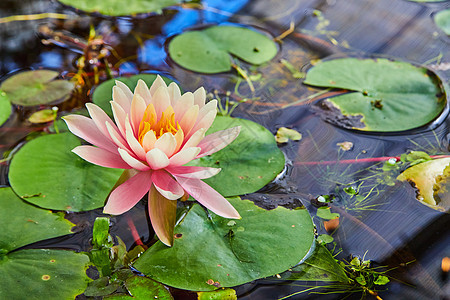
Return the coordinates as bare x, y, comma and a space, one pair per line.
210, 253
37, 87
285, 134
320, 266
207, 51
46, 173
424, 176
387, 95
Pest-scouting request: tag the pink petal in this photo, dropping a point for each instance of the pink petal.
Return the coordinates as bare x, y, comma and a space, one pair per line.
195, 139
200, 97
86, 129
182, 105
162, 214
205, 122
121, 98
166, 143
157, 159
209, 197
135, 146
132, 162
159, 82
119, 116
184, 156
160, 100
193, 172
117, 138
188, 120
100, 157
218, 140
100, 118
137, 110
126, 195
143, 91
166, 185
174, 93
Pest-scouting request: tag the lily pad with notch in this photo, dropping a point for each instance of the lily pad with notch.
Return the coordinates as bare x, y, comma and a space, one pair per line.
386, 96
46, 173
209, 50
31, 88
117, 7
210, 251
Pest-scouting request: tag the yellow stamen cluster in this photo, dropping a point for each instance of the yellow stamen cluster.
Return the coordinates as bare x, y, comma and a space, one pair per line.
165, 124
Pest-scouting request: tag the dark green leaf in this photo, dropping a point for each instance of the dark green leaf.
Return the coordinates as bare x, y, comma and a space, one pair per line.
23, 224
248, 163
142, 288
100, 232
43, 274
211, 251
100, 287
46, 173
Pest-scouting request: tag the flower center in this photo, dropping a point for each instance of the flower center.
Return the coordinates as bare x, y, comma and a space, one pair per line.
165, 124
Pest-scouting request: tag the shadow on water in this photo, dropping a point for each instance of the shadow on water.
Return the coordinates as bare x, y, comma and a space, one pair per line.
390, 228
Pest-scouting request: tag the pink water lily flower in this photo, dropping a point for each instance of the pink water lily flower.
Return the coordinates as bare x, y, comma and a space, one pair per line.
156, 132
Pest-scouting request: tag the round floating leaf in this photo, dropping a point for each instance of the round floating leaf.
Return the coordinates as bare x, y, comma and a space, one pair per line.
207, 51
23, 224
248, 163
211, 251
119, 8
5, 107
36, 87
320, 266
427, 177
103, 93
46, 173
442, 20
143, 288
42, 274
388, 96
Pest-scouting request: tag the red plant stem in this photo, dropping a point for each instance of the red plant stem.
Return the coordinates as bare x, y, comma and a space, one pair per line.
357, 160
134, 232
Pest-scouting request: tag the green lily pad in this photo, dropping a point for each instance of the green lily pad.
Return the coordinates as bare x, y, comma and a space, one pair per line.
143, 288
117, 7
219, 294
387, 96
442, 20
426, 176
326, 214
250, 162
37, 87
5, 107
320, 266
207, 51
103, 93
42, 274
46, 173
210, 251
23, 224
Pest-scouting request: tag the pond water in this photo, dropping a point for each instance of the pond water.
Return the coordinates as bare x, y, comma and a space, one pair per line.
389, 227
